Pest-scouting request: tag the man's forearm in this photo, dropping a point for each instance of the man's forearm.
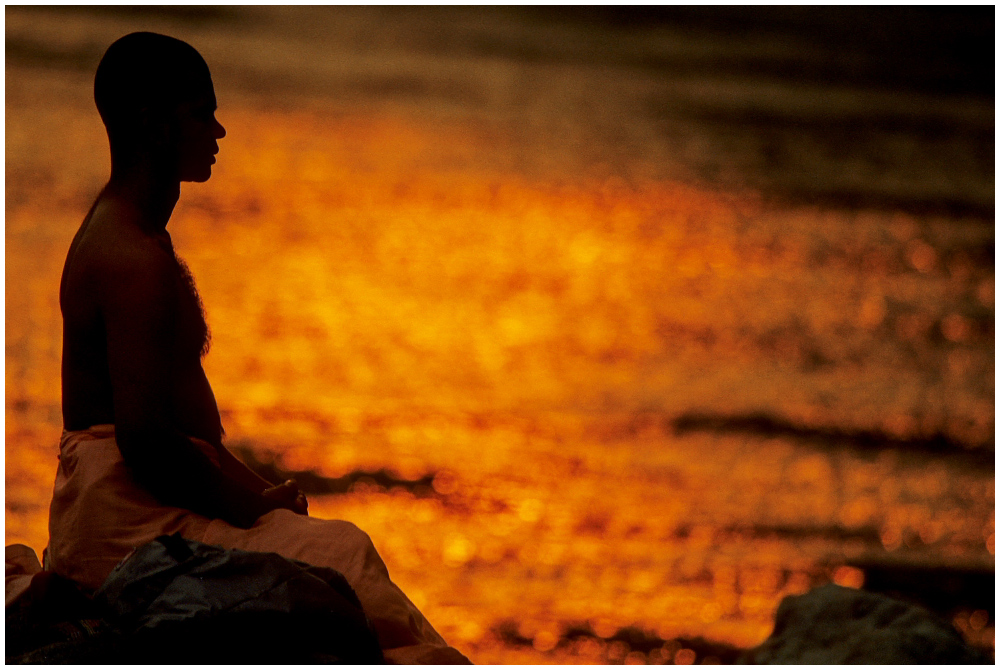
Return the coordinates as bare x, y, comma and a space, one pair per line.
236, 469
179, 474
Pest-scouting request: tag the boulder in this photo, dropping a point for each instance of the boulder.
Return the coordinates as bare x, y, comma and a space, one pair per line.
837, 625
176, 601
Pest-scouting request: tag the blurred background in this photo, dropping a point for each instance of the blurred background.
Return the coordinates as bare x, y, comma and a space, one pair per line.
611, 326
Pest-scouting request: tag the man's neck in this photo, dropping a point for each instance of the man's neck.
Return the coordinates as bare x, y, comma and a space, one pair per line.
154, 197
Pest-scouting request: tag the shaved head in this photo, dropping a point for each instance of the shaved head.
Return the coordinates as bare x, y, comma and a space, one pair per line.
147, 72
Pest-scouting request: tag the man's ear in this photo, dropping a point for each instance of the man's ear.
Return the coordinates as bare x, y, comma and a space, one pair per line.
155, 126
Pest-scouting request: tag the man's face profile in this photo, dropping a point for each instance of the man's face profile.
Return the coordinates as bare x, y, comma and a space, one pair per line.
196, 133
156, 98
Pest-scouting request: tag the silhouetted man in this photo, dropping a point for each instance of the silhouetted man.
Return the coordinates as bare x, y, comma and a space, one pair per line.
133, 328
142, 452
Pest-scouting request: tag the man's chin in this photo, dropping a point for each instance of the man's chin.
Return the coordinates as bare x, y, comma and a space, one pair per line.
198, 177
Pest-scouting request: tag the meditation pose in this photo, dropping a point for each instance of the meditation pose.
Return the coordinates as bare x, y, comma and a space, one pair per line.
142, 453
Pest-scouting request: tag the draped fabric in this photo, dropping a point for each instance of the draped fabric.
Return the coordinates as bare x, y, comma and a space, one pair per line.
99, 514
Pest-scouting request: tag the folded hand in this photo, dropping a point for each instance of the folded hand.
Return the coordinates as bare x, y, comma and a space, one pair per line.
288, 496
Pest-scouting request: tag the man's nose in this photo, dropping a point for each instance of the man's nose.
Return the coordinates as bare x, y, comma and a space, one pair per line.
220, 131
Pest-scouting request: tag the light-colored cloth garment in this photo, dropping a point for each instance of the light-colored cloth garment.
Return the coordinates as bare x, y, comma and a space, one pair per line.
99, 514
20, 566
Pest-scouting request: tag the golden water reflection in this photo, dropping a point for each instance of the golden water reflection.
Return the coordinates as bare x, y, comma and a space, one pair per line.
529, 342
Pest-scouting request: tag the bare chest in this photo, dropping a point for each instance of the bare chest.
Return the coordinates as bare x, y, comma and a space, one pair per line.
193, 337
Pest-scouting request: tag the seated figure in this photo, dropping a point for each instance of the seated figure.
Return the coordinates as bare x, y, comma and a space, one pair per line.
141, 453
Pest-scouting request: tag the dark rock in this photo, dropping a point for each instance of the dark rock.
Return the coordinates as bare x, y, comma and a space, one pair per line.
833, 624
176, 601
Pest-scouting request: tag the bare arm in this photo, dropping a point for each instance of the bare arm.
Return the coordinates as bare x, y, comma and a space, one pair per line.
237, 470
138, 302
286, 494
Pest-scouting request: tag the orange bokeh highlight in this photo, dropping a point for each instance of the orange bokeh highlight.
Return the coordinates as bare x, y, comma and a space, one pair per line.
381, 296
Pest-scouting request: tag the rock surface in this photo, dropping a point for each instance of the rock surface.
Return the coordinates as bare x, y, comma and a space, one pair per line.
176, 601
834, 624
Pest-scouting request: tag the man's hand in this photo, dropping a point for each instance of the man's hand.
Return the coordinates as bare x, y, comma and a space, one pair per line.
288, 496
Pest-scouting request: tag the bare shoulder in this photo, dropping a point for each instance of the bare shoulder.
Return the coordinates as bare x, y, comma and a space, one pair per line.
114, 246
111, 255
